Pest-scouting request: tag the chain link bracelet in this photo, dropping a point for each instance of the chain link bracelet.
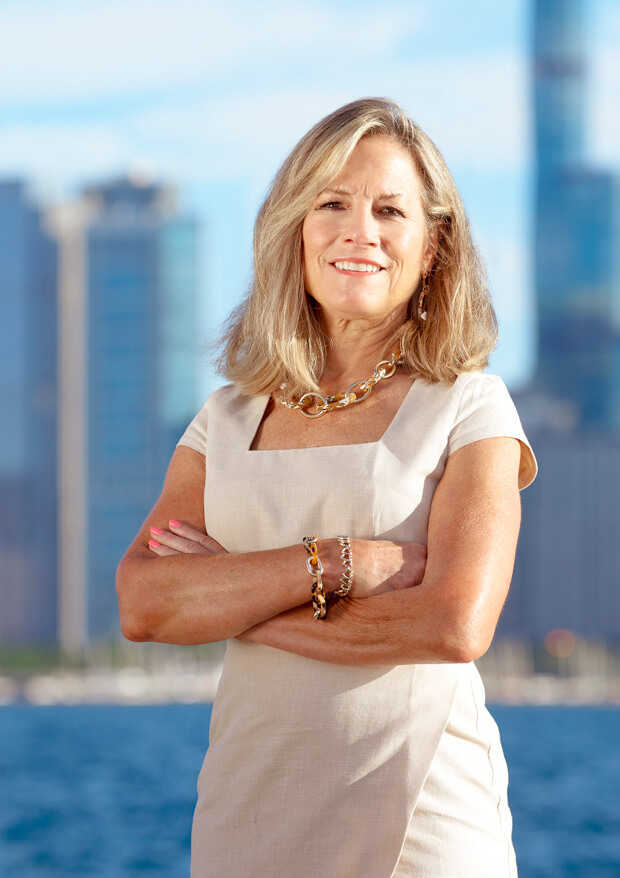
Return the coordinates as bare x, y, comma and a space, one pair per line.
315, 569
346, 556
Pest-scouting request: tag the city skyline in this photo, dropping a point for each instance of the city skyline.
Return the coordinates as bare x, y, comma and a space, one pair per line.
212, 98
130, 259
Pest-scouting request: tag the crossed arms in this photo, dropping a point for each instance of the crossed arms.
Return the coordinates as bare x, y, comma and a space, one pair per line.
408, 603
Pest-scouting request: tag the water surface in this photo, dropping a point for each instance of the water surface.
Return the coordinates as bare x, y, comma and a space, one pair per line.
109, 791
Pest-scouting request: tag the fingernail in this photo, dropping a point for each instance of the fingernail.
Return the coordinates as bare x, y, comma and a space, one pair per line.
156, 530
154, 544
174, 523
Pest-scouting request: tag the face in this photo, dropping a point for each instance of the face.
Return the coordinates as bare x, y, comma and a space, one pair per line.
364, 240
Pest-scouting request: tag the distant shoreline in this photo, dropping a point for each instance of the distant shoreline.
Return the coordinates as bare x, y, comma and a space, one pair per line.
137, 686
132, 685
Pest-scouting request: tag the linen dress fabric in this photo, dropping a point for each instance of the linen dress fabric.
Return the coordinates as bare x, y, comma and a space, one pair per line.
317, 769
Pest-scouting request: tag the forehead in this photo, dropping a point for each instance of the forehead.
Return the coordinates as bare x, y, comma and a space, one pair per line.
379, 164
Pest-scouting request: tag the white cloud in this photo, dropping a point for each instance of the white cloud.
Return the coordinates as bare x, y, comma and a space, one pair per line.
279, 68
479, 121
69, 50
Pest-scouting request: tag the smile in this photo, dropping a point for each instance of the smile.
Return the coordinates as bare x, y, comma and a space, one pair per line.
366, 267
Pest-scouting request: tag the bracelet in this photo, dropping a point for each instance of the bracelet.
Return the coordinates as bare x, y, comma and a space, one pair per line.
315, 569
346, 556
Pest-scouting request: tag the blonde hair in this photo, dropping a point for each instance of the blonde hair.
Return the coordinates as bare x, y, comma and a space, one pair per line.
275, 336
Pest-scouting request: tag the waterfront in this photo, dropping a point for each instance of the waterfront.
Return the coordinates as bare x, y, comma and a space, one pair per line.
109, 790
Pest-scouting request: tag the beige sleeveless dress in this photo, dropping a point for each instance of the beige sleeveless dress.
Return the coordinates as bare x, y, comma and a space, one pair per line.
316, 770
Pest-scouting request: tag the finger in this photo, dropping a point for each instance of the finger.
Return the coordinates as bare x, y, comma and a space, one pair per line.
178, 543
191, 533
160, 550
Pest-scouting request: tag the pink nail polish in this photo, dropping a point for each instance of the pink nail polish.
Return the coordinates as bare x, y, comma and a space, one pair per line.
154, 544
174, 523
157, 530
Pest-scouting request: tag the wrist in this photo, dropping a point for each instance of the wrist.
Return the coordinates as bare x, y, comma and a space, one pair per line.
329, 552
336, 556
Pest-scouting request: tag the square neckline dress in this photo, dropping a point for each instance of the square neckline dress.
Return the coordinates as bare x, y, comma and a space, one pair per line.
317, 769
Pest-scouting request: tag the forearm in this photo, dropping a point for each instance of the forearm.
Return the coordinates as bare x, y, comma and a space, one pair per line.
414, 625
200, 598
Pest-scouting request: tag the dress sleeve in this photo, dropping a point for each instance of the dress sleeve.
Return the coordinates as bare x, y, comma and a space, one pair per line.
195, 436
486, 411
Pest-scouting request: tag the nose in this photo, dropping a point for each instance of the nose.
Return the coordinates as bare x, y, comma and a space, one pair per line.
361, 227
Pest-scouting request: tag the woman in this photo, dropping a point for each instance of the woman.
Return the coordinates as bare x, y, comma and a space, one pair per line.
349, 735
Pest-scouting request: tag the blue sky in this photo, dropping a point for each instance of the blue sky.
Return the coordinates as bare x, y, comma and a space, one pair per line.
210, 97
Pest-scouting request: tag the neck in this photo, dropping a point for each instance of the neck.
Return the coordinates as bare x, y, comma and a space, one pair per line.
356, 347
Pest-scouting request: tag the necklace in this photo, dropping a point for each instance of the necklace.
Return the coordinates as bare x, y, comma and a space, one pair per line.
383, 369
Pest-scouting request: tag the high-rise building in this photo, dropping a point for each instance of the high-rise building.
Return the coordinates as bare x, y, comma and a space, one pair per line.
129, 292
28, 288
566, 574
577, 230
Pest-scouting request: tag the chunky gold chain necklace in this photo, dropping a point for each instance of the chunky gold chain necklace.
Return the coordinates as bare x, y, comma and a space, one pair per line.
383, 369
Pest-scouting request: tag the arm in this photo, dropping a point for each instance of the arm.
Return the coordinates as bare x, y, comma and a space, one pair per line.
451, 616
202, 594
192, 591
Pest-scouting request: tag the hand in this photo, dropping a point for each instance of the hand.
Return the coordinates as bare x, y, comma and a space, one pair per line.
382, 565
182, 538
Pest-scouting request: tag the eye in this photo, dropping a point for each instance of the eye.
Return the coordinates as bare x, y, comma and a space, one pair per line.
390, 210
330, 205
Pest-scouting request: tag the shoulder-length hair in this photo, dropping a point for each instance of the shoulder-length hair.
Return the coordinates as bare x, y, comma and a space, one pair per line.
275, 336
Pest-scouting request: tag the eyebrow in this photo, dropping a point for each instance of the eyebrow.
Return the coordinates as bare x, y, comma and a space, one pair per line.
384, 196
334, 192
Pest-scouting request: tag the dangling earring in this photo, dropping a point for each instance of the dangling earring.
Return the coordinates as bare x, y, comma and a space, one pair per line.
422, 312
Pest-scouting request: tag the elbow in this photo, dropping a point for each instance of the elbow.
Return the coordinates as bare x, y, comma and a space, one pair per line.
131, 608
134, 626
464, 651
465, 640
133, 629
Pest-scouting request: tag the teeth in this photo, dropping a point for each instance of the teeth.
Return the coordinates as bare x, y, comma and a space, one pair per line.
357, 266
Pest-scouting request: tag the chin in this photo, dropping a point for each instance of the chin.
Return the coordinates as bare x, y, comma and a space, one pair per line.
349, 310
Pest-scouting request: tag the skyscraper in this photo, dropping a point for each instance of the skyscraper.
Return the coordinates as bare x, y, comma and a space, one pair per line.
28, 287
136, 339
577, 230
566, 573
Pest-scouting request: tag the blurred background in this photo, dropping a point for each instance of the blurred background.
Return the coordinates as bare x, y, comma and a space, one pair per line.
137, 139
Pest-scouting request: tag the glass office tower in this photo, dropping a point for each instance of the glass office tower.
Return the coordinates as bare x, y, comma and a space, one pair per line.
141, 281
28, 294
577, 230
566, 573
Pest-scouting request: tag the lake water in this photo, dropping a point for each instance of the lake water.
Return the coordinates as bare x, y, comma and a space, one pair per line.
109, 791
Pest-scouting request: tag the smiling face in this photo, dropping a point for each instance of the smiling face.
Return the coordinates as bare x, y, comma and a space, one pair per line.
365, 242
